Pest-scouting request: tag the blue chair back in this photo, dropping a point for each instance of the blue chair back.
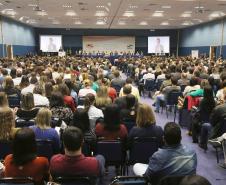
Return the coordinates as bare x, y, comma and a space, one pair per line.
129, 124
81, 100
142, 149
182, 87
129, 180
17, 180
112, 150
14, 101
24, 123
45, 148
117, 88
75, 180
158, 84
5, 149
149, 85
172, 98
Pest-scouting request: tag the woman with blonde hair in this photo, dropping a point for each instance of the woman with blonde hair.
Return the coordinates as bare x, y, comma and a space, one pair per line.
87, 89
43, 129
27, 110
7, 124
102, 98
146, 125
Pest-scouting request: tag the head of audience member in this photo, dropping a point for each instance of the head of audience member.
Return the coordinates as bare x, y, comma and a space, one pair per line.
38, 90
27, 101
184, 76
8, 83
130, 101
57, 99
24, 81
24, 146
208, 92
172, 134
211, 81
48, 89
112, 111
81, 120
102, 92
145, 116
3, 100
116, 74
87, 83
72, 140
168, 76
33, 80
69, 84
64, 89
174, 81
43, 118
194, 180
129, 80
193, 81
89, 101
127, 89
13, 73
204, 83
7, 123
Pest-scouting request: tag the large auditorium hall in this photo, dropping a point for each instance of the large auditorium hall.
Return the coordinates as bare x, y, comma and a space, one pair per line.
112, 92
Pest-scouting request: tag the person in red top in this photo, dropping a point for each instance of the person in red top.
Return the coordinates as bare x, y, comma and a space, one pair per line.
24, 161
111, 128
73, 162
68, 100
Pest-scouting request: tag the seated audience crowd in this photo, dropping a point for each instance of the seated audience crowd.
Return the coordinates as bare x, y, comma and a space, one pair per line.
74, 101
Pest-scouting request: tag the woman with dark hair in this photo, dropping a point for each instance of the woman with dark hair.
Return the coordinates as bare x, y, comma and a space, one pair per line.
24, 161
27, 110
24, 82
72, 90
68, 100
48, 90
129, 113
206, 107
81, 120
9, 89
192, 87
3, 100
111, 127
93, 112
58, 108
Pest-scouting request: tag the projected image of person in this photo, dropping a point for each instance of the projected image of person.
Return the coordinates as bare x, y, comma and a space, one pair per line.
51, 46
159, 48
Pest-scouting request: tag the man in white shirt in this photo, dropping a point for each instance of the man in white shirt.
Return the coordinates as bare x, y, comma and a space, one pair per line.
30, 87
134, 90
148, 75
39, 99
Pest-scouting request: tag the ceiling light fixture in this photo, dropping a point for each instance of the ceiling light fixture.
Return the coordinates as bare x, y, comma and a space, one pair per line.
67, 6
10, 12
143, 23
128, 14
164, 23
70, 13
101, 13
216, 14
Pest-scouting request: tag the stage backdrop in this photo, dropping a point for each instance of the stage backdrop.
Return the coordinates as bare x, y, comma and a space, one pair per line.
108, 44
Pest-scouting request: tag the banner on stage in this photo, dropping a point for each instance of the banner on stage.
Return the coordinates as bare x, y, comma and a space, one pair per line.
108, 44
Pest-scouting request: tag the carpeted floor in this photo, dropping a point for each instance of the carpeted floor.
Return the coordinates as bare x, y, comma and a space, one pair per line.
207, 163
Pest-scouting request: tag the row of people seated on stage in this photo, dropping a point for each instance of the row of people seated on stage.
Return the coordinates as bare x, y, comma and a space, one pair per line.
107, 53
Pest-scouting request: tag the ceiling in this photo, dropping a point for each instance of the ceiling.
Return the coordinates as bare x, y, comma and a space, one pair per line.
113, 14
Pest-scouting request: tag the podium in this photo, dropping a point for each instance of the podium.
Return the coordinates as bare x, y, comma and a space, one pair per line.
61, 53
